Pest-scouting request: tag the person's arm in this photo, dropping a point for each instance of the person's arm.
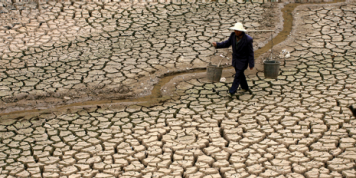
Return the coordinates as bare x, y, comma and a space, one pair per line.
224, 44
251, 55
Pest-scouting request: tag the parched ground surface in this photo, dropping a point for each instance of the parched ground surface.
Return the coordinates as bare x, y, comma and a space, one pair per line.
296, 126
71, 52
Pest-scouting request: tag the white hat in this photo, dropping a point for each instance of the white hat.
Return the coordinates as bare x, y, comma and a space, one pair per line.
239, 27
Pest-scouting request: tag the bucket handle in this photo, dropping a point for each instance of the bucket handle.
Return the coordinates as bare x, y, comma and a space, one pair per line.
214, 52
213, 55
220, 62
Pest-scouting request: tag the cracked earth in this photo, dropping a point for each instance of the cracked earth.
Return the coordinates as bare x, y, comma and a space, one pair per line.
298, 125
60, 53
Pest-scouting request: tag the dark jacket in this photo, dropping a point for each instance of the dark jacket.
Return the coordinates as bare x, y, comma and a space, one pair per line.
244, 55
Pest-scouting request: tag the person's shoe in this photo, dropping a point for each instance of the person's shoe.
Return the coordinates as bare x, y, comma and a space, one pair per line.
231, 94
248, 90
242, 90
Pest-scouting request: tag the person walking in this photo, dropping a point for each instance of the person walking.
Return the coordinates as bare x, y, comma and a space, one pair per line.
242, 55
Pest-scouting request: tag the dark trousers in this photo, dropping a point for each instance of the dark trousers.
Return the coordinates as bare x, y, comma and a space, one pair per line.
239, 79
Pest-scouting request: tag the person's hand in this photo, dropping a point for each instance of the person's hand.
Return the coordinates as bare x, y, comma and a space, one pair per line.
214, 44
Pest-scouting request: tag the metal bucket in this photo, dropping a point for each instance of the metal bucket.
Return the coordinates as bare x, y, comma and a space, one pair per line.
213, 73
271, 69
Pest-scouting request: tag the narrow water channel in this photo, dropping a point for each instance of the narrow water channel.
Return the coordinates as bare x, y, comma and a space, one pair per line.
155, 96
